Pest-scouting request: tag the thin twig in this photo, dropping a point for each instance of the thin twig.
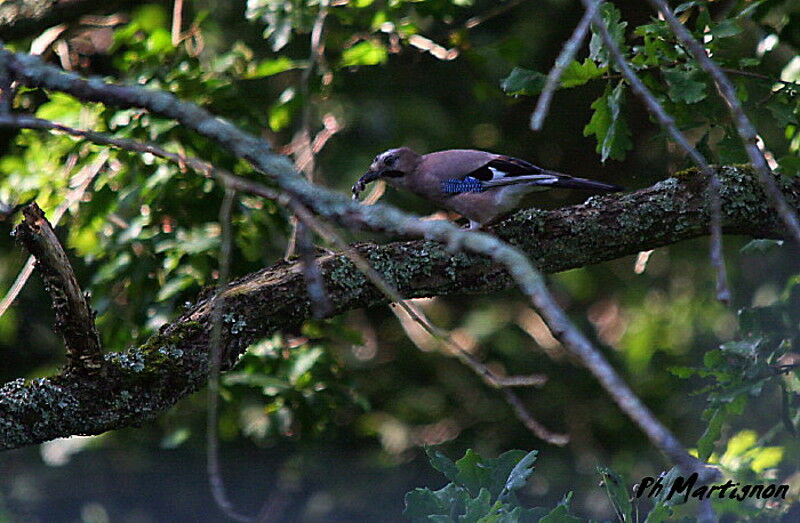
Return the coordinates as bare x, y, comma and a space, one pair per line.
668, 123
177, 20
74, 314
320, 301
759, 76
744, 127
213, 469
534, 426
563, 60
416, 314
305, 156
497, 11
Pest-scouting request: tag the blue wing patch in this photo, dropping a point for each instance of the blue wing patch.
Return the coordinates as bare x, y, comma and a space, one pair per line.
467, 184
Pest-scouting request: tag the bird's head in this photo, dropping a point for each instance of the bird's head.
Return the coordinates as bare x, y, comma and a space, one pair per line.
392, 165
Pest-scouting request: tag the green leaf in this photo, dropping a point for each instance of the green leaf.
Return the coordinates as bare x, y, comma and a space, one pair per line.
472, 473
521, 472
783, 112
150, 17
426, 505
746, 348
731, 149
272, 67
659, 514
789, 165
685, 6
159, 42
420, 503
749, 61
62, 108
609, 126
304, 362
684, 86
523, 81
577, 73
280, 116
174, 286
175, 438
365, 53
705, 445
561, 514
726, 28
442, 463
617, 493
477, 508
611, 17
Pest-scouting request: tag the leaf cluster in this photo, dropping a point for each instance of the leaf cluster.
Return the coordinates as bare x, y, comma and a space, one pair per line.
681, 86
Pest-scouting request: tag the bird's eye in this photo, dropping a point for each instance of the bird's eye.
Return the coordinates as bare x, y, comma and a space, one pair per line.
390, 161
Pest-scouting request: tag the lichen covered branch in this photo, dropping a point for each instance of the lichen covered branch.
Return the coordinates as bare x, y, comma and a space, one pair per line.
143, 382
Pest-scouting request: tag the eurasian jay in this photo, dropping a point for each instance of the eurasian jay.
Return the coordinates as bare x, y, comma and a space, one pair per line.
478, 185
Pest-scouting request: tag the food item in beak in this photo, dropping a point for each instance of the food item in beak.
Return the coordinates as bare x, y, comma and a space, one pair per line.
362, 182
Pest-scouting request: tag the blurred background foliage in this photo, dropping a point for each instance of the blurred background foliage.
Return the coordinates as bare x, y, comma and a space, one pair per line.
330, 420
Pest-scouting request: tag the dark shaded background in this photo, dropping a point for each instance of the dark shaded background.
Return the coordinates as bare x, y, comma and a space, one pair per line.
359, 468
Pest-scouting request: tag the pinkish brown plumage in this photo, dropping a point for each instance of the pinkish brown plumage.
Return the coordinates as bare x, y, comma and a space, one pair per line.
479, 185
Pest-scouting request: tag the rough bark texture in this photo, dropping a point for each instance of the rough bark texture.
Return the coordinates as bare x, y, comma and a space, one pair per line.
74, 315
140, 383
22, 18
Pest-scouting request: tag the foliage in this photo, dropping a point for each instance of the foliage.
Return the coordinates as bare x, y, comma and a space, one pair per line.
486, 491
762, 358
680, 85
289, 391
433, 74
481, 490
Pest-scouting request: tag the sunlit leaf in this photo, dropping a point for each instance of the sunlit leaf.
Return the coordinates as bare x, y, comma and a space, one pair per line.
608, 124
685, 85
367, 52
523, 81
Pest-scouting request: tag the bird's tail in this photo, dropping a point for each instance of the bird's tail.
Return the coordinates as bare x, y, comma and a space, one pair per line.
571, 182
553, 179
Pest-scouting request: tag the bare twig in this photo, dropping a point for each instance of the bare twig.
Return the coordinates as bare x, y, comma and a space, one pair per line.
320, 302
745, 129
563, 60
177, 20
530, 422
759, 76
215, 479
668, 123
305, 155
74, 315
488, 15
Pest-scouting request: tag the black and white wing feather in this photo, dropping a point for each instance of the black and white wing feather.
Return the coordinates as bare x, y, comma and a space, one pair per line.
503, 171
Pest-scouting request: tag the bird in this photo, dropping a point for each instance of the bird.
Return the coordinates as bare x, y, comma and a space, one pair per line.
479, 185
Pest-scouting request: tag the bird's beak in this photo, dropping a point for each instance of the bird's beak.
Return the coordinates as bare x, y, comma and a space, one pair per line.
369, 177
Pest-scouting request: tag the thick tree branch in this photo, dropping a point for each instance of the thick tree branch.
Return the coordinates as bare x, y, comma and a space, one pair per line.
21, 18
142, 382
